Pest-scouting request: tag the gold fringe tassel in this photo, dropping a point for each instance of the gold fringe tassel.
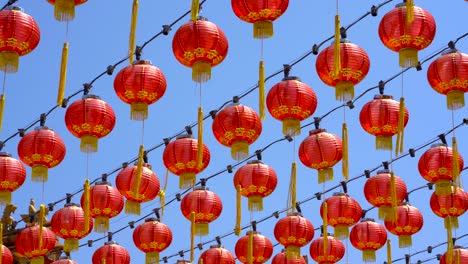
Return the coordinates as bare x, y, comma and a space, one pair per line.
152, 257
63, 74
337, 51
443, 187
341, 232
451, 222
187, 180
239, 150
37, 260
408, 57
291, 127
368, 255
261, 90
255, 203
200, 138
41, 223
455, 99
101, 224
389, 252
201, 71
64, 10
392, 216
70, 244
456, 163
138, 111
409, 11
237, 228
383, 143
133, 25
345, 159
132, 207
250, 246
89, 144
325, 175
192, 236
263, 29
405, 241
401, 128
86, 204
195, 9
2, 109
39, 173
325, 228
292, 253
9, 61
292, 189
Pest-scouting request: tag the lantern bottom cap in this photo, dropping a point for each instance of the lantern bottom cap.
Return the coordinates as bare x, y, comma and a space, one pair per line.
455, 99
39, 173
408, 57
255, 203
64, 10
139, 111
239, 150
291, 127
201, 71
132, 207
263, 29
9, 61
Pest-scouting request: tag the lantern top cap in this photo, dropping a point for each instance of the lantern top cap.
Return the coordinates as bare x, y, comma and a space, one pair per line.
342, 40
367, 220
111, 243
15, 8
202, 18
70, 205
5, 154
142, 62
103, 183
255, 162
216, 246
183, 261
383, 96
91, 96
316, 131
201, 188
402, 4
440, 144
151, 219
293, 214
384, 171
253, 232
448, 51
291, 78
340, 194
184, 136
43, 128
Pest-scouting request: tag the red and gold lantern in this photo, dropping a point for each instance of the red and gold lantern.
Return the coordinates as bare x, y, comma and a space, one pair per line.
342, 213
69, 223
355, 64
291, 101
64, 260
280, 258
385, 191
459, 256
89, 119
41, 149
293, 232
19, 35
237, 126
404, 37
448, 75
436, 166
260, 246
105, 202
257, 180
140, 85
34, 244
379, 118
7, 257
180, 158
409, 221
450, 206
206, 205
111, 252
200, 45
368, 236
12, 176
321, 151
64, 10
148, 188
261, 14
334, 252
152, 237
217, 255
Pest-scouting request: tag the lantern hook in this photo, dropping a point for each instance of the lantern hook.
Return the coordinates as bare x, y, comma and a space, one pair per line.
203, 182
104, 177
188, 129
298, 207
442, 138
218, 240
138, 51
145, 156
407, 258
131, 224
166, 29
258, 153
110, 69
286, 70
229, 168
42, 119
385, 165
109, 236
344, 186
86, 88
69, 196
90, 243
254, 225
381, 87
315, 49
374, 10
2, 144
156, 212
317, 122
343, 33
235, 99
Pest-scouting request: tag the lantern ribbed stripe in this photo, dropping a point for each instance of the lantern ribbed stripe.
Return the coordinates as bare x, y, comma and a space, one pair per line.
206, 204
335, 250
342, 211
377, 189
111, 253
152, 236
217, 255
461, 252
149, 184
259, 10
256, 178
280, 258
262, 248
27, 242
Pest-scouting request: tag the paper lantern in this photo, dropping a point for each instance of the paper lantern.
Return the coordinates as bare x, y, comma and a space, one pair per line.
280, 258
140, 85
30, 244
152, 237
111, 253
379, 118
321, 151
217, 255
355, 64
147, 189
407, 38
293, 232
450, 206
291, 101
436, 166
262, 249
459, 256
342, 213
64, 10
180, 158
7, 257
12, 176
257, 180
206, 205
19, 35
69, 223
41, 149
237, 126
64, 260
89, 119
409, 221
368, 236
334, 252
200, 45
261, 14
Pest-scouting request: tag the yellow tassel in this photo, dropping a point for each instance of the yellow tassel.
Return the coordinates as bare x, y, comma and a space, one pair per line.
368, 255
152, 257
394, 211
449, 255
263, 29
200, 138
39, 173
451, 222
337, 50
456, 163
89, 144
455, 100
132, 207
37, 260
405, 241
195, 9
237, 228
255, 203
70, 244
325, 228
133, 25
385, 212
341, 232
250, 246
401, 128
239, 150
443, 187
292, 189
408, 57
457, 256
261, 90
293, 252
409, 11
187, 180
389, 252
291, 127
139, 171
5, 197
325, 175
345, 158
162, 201
64, 10
9, 61
41, 223
202, 229
383, 143
192, 236
201, 71
2, 109
63, 74
139, 111
101, 224
86, 204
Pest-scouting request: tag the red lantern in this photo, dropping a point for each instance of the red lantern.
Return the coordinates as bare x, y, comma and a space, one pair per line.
200, 45
65, 260
217, 255
105, 202
342, 213
147, 190
64, 10
294, 232
407, 38
378, 192
369, 237
436, 166
355, 65
19, 35
32, 246
262, 249
152, 237
460, 255
69, 223
140, 85
7, 257
291, 101
448, 75
41, 149
257, 180
408, 222
450, 206
180, 158
280, 258
89, 119
379, 117
321, 151
334, 253
206, 205
261, 14
12, 176
111, 253
237, 126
